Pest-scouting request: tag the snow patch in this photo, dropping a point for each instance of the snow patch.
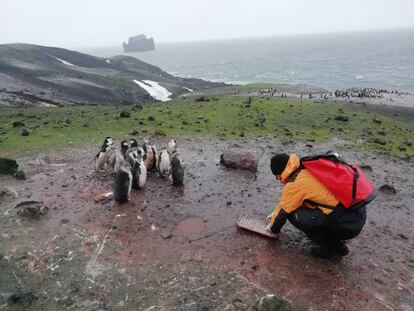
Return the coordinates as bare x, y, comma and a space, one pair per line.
187, 89
108, 61
155, 90
64, 62
46, 105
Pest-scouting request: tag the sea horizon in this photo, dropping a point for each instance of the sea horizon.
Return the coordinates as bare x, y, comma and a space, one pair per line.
374, 58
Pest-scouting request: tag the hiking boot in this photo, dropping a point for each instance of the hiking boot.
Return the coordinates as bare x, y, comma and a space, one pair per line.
341, 249
322, 252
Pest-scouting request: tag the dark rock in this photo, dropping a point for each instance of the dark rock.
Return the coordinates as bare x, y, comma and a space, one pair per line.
31, 209
366, 168
228, 203
85, 125
382, 133
270, 303
387, 189
200, 99
8, 166
342, 118
239, 159
248, 102
22, 298
165, 234
378, 121
64, 221
18, 124
134, 132
125, 114
380, 141
25, 131
151, 118
137, 107
408, 143
160, 133
402, 236
67, 301
20, 175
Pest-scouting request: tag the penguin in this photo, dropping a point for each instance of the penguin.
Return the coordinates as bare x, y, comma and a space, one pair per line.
171, 146
177, 172
141, 172
102, 156
164, 164
150, 157
133, 143
123, 183
124, 147
115, 159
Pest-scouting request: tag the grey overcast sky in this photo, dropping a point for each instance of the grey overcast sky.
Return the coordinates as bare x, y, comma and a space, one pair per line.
89, 23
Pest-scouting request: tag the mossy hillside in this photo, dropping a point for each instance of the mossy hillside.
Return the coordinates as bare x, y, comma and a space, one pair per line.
223, 116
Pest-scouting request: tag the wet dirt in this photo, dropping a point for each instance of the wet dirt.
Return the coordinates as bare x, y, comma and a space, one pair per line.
177, 248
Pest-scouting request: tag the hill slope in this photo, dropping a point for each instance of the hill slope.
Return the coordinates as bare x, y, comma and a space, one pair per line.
32, 75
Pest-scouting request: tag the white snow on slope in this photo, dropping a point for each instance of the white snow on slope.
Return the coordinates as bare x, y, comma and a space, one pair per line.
64, 62
155, 90
187, 89
108, 61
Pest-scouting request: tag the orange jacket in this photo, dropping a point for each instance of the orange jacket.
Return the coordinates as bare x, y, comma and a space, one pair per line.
304, 187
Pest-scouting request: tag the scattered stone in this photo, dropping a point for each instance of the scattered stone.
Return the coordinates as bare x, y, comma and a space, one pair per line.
8, 166
229, 203
239, 159
104, 197
382, 133
270, 303
165, 234
22, 298
342, 118
31, 209
378, 121
25, 131
380, 141
125, 114
67, 301
366, 167
8, 191
151, 118
64, 221
200, 99
85, 125
160, 133
387, 189
18, 124
20, 175
134, 132
402, 236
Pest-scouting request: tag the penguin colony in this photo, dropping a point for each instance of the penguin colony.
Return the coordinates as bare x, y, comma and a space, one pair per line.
133, 161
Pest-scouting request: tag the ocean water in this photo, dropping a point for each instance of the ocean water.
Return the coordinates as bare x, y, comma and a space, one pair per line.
381, 59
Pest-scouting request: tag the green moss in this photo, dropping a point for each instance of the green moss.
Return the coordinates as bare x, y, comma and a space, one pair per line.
226, 117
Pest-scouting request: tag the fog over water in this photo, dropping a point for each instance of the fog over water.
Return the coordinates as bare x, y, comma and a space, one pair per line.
79, 23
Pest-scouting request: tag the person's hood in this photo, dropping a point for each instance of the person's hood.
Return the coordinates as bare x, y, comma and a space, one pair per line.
292, 165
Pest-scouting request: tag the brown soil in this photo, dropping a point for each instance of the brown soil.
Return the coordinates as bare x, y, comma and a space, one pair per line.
177, 248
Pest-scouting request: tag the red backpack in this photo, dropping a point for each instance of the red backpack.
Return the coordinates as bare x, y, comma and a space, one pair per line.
348, 183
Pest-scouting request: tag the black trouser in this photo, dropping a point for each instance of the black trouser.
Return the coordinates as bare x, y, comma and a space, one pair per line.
316, 225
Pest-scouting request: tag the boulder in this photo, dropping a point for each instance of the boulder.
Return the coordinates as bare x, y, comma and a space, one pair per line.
380, 141
18, 124
20, 175
125, 114
270, 303
342, 118
8, 166
25, 131
31, 209
201, 99
239, 159
387, 189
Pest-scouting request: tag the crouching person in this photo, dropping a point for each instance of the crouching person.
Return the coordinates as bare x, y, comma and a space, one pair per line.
312, 208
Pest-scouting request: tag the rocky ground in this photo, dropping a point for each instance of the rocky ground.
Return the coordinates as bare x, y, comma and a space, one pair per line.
178, 248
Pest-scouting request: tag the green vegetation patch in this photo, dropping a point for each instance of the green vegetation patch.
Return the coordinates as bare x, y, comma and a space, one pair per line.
222, 116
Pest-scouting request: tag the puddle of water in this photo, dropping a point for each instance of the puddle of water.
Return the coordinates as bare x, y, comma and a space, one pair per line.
190, 226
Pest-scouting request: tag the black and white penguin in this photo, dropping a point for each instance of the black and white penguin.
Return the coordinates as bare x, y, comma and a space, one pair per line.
124, 147
115, 159
133, 143
102, 156
177, 172
172, 144
123, 183
164, 164
134, 157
